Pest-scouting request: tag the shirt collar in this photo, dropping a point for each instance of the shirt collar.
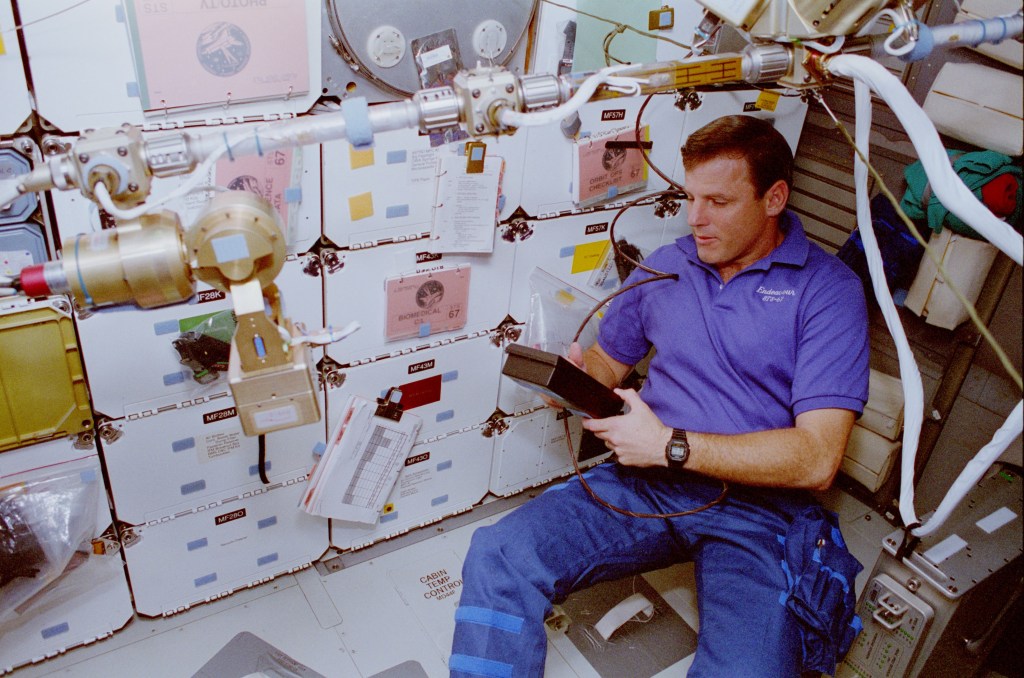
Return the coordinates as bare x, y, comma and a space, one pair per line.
792, 251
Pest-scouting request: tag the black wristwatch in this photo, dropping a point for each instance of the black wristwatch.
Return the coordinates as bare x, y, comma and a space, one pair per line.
677, 451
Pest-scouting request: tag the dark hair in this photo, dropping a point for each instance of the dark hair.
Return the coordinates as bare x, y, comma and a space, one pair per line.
748, 138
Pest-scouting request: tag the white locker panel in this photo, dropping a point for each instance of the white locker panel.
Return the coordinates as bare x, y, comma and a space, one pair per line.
788, 116
302, 294
387, 191
209, 554
84, 76
451, 387
440, 478
90, 600
576, 249
170, 461
16, 105
125, 340
130, 358
289, 179
549, 173
356, 291
533, 450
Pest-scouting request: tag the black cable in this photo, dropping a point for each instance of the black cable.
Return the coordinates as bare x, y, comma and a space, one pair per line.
647, 159
263, 459
656, 276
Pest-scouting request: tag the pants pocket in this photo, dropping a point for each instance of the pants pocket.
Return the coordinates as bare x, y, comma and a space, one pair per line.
821, 573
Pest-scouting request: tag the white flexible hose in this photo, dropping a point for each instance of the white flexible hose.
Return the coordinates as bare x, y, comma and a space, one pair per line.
927, 146
913, 389
510, 118
975, 469
945, 183
8, 192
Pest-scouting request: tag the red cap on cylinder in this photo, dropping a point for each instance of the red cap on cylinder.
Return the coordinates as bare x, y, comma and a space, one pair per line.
33, 281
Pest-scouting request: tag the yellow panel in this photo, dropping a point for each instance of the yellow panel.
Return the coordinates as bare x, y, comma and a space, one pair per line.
588, 257
43, 394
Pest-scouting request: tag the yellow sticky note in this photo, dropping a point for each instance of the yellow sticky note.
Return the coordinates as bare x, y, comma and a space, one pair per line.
360, 206
360, 157
588, 257
2, 49
767, 101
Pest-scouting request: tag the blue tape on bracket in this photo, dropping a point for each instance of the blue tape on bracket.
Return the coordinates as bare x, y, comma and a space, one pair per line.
357, 122
445, 416
567, 251
425, 330
293, 194
183, 444
395, 211
266, 560
204, 580
132, 89
166, 327
396, 157
195, 486
174, 378
449, 376
55, 630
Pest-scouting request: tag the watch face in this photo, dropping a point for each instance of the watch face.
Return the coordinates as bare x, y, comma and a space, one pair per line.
677, 451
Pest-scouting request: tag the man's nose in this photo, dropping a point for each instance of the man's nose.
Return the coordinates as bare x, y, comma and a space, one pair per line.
694, 213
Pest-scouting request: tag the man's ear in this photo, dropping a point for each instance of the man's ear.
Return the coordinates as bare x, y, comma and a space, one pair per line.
775, 198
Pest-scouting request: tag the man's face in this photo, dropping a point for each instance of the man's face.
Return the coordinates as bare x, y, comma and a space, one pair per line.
731, 225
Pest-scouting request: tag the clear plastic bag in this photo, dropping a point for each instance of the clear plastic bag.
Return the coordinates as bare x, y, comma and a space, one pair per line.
556, 311
44, 521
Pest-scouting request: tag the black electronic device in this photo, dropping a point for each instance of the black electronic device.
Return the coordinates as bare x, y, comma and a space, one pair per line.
561, 380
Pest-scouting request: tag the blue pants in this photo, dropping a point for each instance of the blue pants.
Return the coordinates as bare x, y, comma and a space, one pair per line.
563, 541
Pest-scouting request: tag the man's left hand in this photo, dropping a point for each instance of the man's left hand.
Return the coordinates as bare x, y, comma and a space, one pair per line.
638, 437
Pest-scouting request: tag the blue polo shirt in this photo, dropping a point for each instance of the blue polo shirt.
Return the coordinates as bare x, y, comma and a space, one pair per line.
785, 335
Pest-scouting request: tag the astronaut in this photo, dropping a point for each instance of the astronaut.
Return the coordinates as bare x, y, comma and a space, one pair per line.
759, 372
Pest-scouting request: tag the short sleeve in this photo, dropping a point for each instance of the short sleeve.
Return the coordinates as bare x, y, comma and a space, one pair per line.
833, 347
621, 333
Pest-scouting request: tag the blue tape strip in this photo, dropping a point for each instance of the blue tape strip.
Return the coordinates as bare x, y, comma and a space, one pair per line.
174, 378
613, 191
491, 618
396, 157
183, 444
166, 327
197, 544
445, 416
357, 122
478, 666
425, 330
87, 476
266, 560
55, 630
444, 465
204, 580
293, 194
119, 14
319, 449
567, 251
449, 376
266, 522
437, 501
389, 517
396, 211
195, 486
254, 470
132, 89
